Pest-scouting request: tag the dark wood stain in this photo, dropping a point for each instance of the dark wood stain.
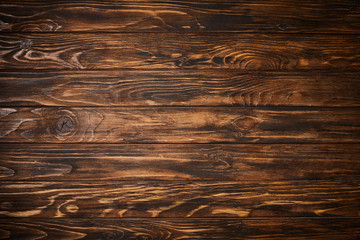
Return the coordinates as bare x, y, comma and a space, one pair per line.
180, 199
237, 229
179, 51
175, 162
178, 125
179, 88
153, 119
181, 16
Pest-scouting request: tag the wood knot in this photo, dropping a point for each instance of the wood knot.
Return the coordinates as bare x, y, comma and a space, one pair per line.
64, 125
181, 62
220, 160
245, 124
72, 208
282, 26
6, 205
26, 44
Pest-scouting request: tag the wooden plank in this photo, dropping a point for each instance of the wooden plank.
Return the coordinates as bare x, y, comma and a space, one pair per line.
68, 162
181, 16
180, 199
176, 229
169, 51
179, 88
179, 125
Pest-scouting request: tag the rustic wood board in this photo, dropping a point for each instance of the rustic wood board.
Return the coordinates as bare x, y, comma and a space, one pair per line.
169, 51
181, 16
184, 229
180, 199
179, 88
179, 125
173, 119
176, 162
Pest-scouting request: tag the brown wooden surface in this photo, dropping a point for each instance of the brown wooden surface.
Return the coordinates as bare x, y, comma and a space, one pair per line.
181, 16
179, 125
179, 88
171, 50
163, 229
176, 162
174, 119
180, 199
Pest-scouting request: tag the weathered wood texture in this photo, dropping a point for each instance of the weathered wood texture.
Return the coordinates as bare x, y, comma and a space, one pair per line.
179, 125
182, 229
152, 119
180, 199
184, 16
179, 88
174, 162
169, 51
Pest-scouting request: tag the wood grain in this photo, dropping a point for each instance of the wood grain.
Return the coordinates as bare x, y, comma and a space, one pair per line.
202, 119
174, 162
179, 88
181, 16
169, 51
180, 199
184, 229
179, 125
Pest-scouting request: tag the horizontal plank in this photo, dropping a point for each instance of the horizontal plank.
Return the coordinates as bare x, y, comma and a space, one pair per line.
181, 16
179, 88
179, 199
67, 162
169, 51
179, 125
176, 229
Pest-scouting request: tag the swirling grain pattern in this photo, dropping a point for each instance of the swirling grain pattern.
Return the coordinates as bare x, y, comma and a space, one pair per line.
179, 125
173, 119
184, 16
169, 51
181, 229
176, 162
179, 199
179, 88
